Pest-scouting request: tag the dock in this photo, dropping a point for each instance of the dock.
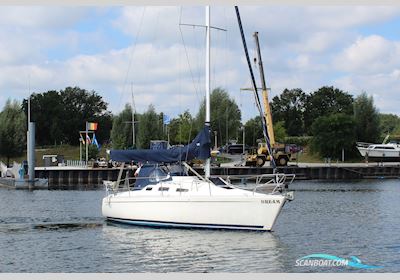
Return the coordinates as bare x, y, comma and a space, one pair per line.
93, 177
23, 184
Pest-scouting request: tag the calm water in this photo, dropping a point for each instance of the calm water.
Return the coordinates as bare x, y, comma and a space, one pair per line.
63, 231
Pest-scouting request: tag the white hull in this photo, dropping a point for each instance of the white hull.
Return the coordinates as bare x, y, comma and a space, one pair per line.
222, 209
375, 152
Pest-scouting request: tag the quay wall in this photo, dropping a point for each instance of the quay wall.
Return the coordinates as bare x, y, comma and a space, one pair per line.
93, 177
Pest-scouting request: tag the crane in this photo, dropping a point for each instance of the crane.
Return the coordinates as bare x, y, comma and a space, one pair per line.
278, 151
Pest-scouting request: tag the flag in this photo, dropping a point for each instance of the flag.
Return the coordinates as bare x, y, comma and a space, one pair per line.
166, 119
88, 139
91, 126
81, 139
94, 141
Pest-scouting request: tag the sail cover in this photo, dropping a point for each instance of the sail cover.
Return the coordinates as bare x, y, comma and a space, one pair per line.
199, 148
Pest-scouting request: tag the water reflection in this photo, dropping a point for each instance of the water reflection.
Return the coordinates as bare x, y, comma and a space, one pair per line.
164, 250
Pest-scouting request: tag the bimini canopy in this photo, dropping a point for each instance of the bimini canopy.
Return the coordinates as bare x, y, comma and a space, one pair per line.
199, 148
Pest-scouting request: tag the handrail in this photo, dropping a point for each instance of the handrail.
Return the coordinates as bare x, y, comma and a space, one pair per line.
195, 172
278, 179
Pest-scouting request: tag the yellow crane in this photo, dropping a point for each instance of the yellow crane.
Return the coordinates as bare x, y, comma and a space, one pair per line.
279, 154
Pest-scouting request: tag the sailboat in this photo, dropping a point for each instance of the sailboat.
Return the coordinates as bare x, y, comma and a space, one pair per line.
169, 193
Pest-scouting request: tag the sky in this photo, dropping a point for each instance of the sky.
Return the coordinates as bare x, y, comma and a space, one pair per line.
144, 51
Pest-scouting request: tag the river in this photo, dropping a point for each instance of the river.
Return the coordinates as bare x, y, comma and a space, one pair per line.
63, 231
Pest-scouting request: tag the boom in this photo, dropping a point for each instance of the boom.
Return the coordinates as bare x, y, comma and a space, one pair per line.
267, 110
258, 103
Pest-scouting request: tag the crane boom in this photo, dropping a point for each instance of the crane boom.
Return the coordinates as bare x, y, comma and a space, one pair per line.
257, 99
267, 109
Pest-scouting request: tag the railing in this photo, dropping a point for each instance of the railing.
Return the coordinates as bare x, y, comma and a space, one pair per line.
75, 163
363, 144
124, 185
276, 181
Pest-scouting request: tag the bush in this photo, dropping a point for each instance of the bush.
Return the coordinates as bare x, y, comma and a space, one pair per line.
299, 140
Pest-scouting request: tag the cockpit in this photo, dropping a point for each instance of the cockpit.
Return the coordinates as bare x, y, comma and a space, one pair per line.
150, 174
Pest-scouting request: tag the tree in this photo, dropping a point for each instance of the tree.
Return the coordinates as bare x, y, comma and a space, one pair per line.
59, 116
366, 119
389, 123
326, 101
150, 127
225, 115
12, 130
332, 133
47, 111
121, 133
182, 129
93, 151
81, 106
289, 107
280, 132
253, 130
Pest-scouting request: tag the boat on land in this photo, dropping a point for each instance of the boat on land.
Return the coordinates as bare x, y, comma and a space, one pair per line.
168, 193
380, 152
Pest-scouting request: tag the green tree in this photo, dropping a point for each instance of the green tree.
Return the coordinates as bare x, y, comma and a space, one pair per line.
150, 127
93, 152
12, 130
121, 133
280, 132
253, 131
389, 123
182, 129
225, 115
326, 101
81, 106
332, 133
366, 119
47, 111
59, 116
289, 107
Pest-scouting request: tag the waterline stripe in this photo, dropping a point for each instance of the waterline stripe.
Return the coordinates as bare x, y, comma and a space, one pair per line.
179, 224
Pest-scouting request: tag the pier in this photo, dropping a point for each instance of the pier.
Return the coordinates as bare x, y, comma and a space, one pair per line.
60, 177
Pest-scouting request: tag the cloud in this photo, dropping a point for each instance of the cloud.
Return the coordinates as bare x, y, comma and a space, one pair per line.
35, 34
302, 46
383, 87
369, 54
341, 17
161, 76
36, 17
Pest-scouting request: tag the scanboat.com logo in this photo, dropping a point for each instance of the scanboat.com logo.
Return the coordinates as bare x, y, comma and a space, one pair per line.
325, 260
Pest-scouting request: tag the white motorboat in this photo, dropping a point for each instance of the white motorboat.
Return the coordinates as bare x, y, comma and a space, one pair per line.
164, 196
381, 152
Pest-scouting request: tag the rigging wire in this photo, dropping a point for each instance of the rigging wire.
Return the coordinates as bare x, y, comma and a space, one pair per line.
131, 57
226, 46
187, 56
196, 86
152, 53
193, 80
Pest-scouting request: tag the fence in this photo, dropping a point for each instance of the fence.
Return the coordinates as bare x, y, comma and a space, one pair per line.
76, 163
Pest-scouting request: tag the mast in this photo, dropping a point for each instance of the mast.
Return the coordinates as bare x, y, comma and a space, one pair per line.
28, 148
207, 120
133, 118
27, 130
